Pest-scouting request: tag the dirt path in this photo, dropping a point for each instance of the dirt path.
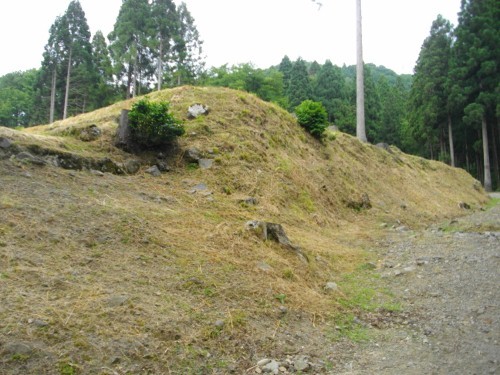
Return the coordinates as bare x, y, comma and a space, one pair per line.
448, 278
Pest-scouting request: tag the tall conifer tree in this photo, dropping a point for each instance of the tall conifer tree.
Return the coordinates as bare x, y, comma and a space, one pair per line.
189, 58
129, 43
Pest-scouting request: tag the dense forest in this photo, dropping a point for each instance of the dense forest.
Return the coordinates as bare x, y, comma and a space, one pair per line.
448, 109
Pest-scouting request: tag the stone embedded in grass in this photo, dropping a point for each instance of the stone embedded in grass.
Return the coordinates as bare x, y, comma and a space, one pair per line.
272, 367
163, 166
206, 163
331, 286
38, 322
5, 143
116, 301
192, 155
197, 110
250, 201
363, 203
17, 348
198, 188
263, 266
28, 158
131, 166
154, 171
301, 364
90, 133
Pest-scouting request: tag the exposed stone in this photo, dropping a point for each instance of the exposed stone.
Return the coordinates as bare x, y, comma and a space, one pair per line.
197, 110
200, 187
107, 165
90, 133
384, 146
5, 142
192, 155
27, 157
272, 367
250, 201
97, 173
116, 301
331, 286
301, 364
19, 348
205, 163
38, 323
362, 204
219, 323
154, 171
131, 166
263, 362
263, 266
163, 166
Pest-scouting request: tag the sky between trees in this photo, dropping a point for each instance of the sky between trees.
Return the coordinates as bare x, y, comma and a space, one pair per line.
260, 31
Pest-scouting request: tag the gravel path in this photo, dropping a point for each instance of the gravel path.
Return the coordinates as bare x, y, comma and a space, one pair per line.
448, 277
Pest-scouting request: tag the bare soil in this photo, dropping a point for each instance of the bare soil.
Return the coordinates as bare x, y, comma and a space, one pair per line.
448, 278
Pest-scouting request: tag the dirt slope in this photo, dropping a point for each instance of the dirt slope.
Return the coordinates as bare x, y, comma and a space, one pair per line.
109, 273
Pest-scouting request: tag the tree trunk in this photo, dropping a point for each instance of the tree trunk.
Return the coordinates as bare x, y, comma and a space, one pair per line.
467, 162
53, 95
496, 168
66, 94
134, 78
450, 137
129, 81
360, 86
486, 156
160, 65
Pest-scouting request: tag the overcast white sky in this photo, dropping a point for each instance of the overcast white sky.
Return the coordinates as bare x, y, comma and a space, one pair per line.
257, 31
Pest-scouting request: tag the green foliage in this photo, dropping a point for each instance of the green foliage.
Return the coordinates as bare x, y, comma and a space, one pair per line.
152, 124
312, 116
17, 98
299, 85
281, 297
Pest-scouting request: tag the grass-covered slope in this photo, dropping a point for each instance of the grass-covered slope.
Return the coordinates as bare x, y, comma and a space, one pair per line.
131, 273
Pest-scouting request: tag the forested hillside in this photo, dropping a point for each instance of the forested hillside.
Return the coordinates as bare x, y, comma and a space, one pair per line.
448, 110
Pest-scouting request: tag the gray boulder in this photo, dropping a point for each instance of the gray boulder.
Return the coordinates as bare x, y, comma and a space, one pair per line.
131, 166
384, 146
192, 155
26, 157
5, 143
90, 133
197, 110
206, 163
154, 171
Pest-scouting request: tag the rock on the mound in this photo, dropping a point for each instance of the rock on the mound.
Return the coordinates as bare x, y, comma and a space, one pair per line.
197, 110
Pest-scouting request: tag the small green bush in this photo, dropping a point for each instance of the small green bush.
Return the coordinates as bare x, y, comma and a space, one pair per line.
152, 124
312, 116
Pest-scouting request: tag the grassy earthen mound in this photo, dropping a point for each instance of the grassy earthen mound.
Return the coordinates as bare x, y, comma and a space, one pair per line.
107, 273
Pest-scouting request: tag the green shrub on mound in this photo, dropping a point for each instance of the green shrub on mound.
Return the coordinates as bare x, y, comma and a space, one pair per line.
152, 124
312, 116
